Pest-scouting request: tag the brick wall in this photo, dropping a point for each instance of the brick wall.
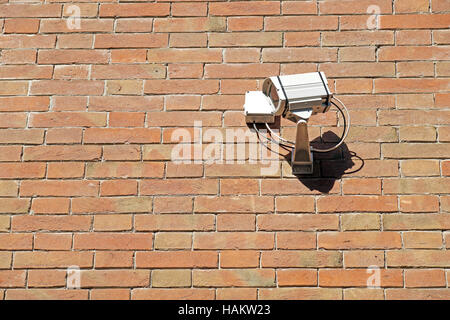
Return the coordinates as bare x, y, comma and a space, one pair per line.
88, 112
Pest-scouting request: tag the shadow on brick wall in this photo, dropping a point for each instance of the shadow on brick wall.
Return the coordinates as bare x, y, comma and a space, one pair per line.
330, 166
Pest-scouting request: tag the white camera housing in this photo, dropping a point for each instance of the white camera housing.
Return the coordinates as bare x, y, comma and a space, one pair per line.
296, 96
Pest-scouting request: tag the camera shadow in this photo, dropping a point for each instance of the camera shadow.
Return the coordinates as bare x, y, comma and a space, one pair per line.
329, 166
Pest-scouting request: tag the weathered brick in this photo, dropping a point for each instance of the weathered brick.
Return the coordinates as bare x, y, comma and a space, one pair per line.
114, 205
233, 240
359, 240
112, 241
172, 222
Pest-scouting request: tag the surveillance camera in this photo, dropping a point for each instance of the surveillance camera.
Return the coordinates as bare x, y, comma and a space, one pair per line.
295, 97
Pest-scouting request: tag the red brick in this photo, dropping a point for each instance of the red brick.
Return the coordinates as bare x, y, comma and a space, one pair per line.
305, 222
359, 240
181, 86
174, 222
241, 55
61, 87
53, 241
63, 135
185, 71
112, 205
416, 221
440, 5
130, 40
420, 21
179, 187
58, 188
112, 241
177, 259
25, 10
65, 170
73, 56
235, 222
203, 24
236, 293
240, 70
300, 24
413, 53
423, 203
352, 6
361, 186
298, 8
110, 294
27, 41
418, 258
171, 294
359, 278
21, 26
357, 203
46, 278
300, 293
413, 150
118, 188
22, 170
134, 10
122, 152
122, 135
189, 9
10, 153
47, 294
76, 41
172, 205
360, 38
245, 39
114, 278
12, 278
243, 204
125, 170
118, 103
52, 259
19, 136
188, 40
173, 240
71, 72
233, 240
18, 56
366, 258
70, 119
50, 206
422, 240
16, 241
301, 259
113, 222
296, 240
234, 278
245, 23
128, 55
50, 223
86, 25
405, 6
113, 259
299, 54
413, 37
184, 118
416, 278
